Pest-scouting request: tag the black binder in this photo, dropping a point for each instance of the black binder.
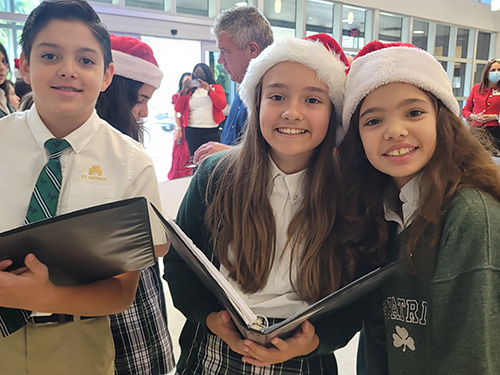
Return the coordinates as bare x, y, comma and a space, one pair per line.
253, 326
86, 245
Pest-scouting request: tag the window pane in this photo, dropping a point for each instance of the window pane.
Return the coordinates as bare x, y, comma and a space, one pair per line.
444, 64
389, 29
483, 45
462, 43
148, 4
25, 6
103, 1
420, 34
478, 73
220, 75
353, 27
459, 79
280, 13
442, 40
228, 4
194, 7
4, 37
319, 17
282, 33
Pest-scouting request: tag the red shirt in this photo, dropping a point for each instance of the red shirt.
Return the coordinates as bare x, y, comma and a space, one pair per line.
487, 101
218, 97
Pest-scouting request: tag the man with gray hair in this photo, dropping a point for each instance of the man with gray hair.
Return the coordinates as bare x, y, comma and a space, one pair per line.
242, 33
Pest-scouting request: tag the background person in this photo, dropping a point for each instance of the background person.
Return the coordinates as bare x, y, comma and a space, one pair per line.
483, 104
21, 87
140, 333
13, 98
242, 33
6, 107
200, 104
180, 151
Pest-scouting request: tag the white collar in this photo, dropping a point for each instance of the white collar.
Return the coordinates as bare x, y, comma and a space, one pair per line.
77, 138
408, 197
294, 182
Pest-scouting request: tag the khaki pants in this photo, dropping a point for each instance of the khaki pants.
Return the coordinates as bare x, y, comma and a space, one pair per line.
82, 347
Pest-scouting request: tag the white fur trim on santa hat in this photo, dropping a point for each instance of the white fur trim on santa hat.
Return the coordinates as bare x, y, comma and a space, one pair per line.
313, 54
391, 65
135, 68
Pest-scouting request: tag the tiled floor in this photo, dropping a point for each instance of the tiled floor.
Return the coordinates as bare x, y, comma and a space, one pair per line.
346, 357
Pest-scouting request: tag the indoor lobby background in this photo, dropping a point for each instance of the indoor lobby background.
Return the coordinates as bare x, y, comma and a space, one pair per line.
461, 34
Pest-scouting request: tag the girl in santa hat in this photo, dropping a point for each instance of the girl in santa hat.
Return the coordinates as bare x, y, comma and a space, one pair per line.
421, 186
265, 213
140, 333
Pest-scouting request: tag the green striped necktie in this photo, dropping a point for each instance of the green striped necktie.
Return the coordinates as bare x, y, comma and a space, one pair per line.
43, 205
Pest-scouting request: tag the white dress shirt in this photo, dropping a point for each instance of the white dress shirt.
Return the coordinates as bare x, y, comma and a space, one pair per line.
101, 166
277, 299
408, 198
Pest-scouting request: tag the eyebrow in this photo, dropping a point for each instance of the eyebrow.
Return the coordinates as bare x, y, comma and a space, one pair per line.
56, 46
308, 88
398, 105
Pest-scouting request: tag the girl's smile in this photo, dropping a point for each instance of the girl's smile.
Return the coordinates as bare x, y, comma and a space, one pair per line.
397, 126
294, 114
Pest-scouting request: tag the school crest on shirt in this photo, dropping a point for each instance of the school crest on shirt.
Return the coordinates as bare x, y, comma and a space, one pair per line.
401, 339
409, 312
95, 173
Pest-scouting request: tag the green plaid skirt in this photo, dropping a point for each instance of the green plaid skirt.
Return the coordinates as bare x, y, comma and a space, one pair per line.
209, 355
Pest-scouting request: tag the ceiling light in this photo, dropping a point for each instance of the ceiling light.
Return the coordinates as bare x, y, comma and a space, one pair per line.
277, 6
350, 18
419, 32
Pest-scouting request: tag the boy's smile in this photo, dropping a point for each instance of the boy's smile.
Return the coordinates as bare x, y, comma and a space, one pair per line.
66, 71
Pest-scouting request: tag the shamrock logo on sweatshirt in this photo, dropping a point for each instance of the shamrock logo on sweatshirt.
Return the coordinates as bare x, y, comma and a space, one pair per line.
402, 339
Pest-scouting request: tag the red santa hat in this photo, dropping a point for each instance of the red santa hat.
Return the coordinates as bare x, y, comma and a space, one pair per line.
17, 70
319, 52
378, 64
134, 59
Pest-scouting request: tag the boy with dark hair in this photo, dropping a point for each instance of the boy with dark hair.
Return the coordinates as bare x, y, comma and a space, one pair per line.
67, 60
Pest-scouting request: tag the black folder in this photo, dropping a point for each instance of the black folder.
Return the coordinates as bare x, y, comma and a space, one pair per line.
86, 245
253, 326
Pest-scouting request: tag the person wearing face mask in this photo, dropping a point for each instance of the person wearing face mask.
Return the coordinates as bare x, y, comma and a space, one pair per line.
200, 104
483, 105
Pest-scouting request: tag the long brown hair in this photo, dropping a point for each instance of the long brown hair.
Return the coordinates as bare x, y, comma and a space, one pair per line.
239, 215
459, 160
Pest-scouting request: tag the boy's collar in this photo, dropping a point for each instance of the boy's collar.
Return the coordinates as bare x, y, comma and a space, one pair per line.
77, 139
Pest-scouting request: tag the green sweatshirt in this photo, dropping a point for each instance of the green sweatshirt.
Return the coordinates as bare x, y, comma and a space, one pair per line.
445, 317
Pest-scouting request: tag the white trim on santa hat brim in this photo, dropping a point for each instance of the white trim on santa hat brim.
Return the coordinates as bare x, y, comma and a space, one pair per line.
135, 68
393, 65
313, 54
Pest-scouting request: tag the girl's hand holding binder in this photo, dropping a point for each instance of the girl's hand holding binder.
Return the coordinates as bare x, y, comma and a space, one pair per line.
303, 342
221, 324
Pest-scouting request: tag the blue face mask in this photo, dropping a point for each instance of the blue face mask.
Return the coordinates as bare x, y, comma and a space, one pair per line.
494, 77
